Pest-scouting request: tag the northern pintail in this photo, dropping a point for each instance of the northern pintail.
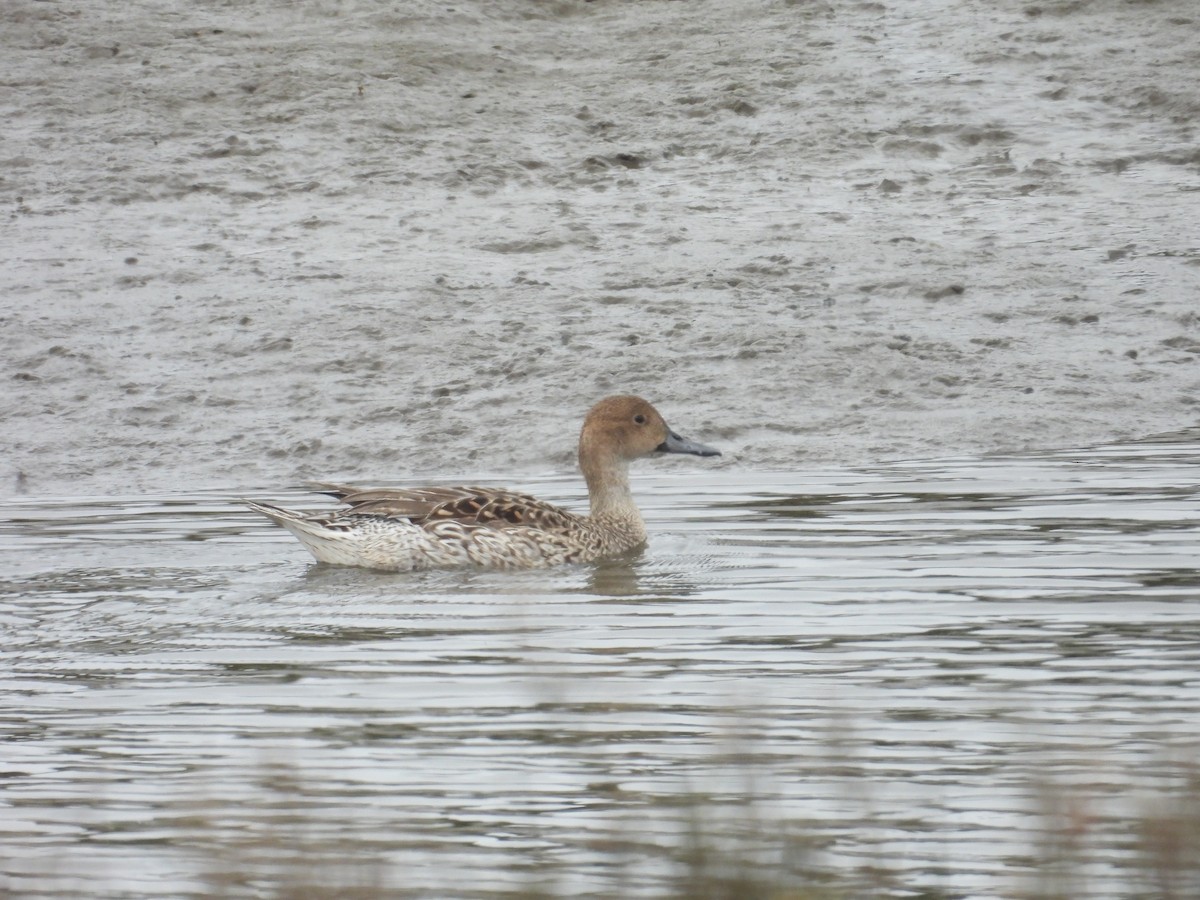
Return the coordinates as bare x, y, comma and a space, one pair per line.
441, 527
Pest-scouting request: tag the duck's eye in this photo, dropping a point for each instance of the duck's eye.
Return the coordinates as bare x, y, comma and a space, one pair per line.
640, 419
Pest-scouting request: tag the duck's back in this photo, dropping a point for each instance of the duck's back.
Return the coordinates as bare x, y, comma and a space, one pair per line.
496, 507
442, 527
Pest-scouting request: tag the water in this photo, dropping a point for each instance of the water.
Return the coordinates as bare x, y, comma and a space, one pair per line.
911, 671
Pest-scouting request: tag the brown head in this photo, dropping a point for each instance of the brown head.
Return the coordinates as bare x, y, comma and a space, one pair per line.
618, 429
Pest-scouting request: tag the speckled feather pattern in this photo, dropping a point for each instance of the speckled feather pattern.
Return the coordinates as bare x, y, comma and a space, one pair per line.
394, 543
446, 527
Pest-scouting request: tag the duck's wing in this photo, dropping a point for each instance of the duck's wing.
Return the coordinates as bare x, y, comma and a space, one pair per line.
495, 507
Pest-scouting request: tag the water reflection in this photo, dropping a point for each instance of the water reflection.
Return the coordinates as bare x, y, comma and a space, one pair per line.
615, 578
873, 672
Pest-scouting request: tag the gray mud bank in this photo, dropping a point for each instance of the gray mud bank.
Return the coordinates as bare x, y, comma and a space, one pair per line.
257, 244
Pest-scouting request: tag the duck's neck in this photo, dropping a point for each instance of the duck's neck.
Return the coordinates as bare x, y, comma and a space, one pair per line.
608, 487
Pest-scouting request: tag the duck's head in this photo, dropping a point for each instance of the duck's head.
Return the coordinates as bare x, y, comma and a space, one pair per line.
624, 428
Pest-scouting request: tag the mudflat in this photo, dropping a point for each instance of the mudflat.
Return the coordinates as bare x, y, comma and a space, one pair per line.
262, 243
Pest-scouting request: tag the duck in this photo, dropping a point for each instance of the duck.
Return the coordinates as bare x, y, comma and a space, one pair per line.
423, 528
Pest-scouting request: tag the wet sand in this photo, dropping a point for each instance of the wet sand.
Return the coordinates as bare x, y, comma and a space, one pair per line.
253, 245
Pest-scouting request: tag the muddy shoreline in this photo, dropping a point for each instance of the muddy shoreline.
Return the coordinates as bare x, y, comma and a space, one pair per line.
373, 241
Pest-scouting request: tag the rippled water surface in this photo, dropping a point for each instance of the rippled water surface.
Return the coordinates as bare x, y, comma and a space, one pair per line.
894, 670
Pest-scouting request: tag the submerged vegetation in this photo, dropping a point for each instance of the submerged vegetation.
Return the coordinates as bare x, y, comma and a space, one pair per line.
698, 847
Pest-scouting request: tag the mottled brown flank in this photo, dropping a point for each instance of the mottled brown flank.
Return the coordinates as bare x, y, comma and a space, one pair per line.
496, 507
